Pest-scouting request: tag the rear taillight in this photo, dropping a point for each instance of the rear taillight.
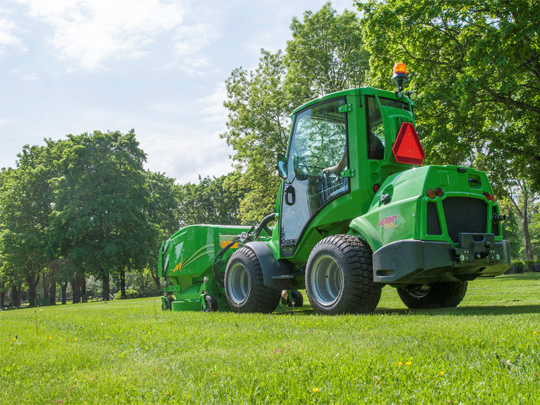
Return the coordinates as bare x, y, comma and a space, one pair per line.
431, 193
489, 196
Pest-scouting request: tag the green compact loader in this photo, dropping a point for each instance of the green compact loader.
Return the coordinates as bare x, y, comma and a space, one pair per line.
355, 211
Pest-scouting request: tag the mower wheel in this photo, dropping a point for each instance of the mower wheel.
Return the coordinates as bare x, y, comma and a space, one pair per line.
244, 285
298, 299
438, 295
211, 304
339, 277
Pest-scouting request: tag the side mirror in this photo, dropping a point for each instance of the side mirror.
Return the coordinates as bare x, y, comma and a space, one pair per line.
281, 165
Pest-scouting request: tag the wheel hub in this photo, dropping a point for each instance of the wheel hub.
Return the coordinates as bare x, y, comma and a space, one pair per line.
326, 281
238, 283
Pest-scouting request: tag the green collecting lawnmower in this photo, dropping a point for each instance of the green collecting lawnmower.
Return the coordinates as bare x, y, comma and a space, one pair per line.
355, 211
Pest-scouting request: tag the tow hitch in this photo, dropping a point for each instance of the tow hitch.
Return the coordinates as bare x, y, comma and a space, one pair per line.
477, 246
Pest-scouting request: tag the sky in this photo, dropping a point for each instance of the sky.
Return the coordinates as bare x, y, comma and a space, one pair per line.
156, 66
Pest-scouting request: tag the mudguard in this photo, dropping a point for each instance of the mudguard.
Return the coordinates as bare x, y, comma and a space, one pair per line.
277, 274
365, 230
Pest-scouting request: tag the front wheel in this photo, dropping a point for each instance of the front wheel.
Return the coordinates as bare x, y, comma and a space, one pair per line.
339, 277
438, 295
244, 285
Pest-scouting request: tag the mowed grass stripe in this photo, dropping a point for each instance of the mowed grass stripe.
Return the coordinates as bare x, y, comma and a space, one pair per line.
485, 351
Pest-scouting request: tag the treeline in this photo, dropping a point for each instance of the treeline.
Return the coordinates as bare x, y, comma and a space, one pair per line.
84, 206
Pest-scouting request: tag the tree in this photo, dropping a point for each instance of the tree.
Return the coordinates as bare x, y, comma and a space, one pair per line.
26, 200
99, 219
210, 202
163, 213
325, 55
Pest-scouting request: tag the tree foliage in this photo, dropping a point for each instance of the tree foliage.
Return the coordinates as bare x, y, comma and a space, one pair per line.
325, 55
101, 199
26, 200
211, 201
476, 65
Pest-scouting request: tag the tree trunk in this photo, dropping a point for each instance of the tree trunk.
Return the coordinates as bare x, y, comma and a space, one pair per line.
64, 286
15, 299
106, 286
157, 280
32, 285
83, 290
2, 295
123, 284
46, 287
525, 223
52, 293
76, 287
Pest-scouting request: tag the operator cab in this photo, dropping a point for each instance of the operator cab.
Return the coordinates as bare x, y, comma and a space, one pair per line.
333, 140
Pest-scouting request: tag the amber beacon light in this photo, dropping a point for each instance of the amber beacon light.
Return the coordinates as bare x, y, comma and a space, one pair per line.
400, 75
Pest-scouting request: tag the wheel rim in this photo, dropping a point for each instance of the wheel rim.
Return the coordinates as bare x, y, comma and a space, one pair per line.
420, 291
238, 283
326, 281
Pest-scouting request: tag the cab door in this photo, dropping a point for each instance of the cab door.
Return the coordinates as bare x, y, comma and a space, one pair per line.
317, 156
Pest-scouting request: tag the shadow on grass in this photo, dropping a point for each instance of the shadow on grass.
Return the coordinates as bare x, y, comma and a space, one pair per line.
460, 311
466, 310
521, 276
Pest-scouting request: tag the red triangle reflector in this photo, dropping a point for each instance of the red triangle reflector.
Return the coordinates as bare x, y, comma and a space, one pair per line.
407, 148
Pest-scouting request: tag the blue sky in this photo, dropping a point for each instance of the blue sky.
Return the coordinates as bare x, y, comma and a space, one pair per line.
158, 66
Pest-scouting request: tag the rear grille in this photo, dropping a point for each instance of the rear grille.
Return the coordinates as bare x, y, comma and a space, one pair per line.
464, 215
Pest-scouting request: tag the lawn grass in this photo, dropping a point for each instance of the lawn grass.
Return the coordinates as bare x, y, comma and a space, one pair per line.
486, 351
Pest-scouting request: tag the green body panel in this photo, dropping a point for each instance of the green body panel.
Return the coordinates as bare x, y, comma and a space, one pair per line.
186, 259
407, 211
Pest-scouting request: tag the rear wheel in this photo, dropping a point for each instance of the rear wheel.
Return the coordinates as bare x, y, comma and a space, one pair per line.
244, 285
339, 277
438, 295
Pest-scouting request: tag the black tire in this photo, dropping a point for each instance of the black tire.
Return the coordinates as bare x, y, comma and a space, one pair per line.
339, 277
298, 299
244, 285
211, 304
438, 295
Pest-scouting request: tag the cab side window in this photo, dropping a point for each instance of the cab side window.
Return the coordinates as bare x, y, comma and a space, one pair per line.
375, 129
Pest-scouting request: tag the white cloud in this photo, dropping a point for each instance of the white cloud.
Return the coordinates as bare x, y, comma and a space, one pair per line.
8, 34
30, 77
213, 109
186, 157
90, 33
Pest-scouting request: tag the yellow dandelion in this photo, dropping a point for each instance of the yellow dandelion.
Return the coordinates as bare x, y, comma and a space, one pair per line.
14, 339
50, 337
315, 390
534, 333
117, 324
76, 338
399, 363
408, 363
442, 372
